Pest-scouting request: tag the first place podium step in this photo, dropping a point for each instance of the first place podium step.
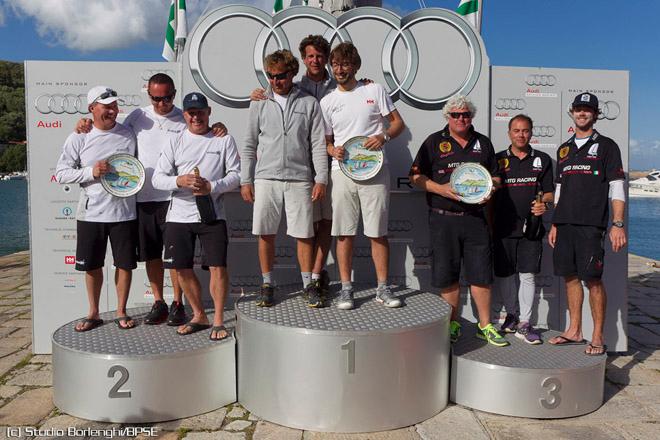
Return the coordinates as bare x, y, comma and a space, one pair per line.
361, 370
141, 375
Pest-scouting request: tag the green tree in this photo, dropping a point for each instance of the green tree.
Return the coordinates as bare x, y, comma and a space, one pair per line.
13, 158
12, 102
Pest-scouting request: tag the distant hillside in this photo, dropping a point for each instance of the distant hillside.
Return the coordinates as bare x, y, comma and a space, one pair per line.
12, 116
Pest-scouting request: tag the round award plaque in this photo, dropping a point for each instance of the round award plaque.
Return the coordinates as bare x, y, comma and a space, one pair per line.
126, 176
472, 182
360, 163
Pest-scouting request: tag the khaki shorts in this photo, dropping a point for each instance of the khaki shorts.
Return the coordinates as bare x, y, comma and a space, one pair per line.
323, 208
296, 198
349, 197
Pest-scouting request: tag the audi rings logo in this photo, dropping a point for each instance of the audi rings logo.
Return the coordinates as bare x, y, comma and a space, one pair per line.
510, 104
284, 251
421, 252
148, 73
246, 280
241, 225
399, 83
609, 110
362, 252
541, 80
543, 131
71, 104
399, 226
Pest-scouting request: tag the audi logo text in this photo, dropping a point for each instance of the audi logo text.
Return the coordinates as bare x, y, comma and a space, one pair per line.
510, 104
58, 103
544, 131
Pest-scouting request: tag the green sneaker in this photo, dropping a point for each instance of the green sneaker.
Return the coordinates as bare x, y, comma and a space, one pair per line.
454, 331
490, 334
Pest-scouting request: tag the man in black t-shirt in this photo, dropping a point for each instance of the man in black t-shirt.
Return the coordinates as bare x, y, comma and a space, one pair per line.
525, 172
589, 168
459, 233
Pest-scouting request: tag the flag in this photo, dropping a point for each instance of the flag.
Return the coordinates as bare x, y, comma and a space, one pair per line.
280, 4
177, 30
471, 12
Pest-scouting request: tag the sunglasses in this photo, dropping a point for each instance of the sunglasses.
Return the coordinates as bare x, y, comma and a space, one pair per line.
457, 115
279, 76
108, 93
166, 99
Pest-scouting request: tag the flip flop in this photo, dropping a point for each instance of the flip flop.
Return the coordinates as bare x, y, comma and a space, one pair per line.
93, 323
565, 341
194, 328
601, 348
125, 320
219, 328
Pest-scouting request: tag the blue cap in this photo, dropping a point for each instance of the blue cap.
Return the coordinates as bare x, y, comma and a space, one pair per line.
587, 99
194, 100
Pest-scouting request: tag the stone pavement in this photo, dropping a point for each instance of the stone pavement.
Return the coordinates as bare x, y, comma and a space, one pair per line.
632, 388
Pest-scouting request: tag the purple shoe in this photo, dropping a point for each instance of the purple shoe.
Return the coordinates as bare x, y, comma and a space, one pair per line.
528, 334
510, 324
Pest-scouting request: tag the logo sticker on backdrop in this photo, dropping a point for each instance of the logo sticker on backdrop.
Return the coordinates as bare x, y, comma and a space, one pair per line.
58, 103
399, 86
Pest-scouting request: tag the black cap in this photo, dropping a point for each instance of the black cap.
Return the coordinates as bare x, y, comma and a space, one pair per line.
587, 99
194, 100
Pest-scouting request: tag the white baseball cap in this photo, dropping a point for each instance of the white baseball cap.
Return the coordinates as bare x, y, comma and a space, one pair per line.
102, 95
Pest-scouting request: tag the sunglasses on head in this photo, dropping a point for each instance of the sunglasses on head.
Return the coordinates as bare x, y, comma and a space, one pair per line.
456, 115
108, 93
279, 76
166, 99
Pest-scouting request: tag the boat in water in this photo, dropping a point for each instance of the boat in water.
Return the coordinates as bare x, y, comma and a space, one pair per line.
648, 186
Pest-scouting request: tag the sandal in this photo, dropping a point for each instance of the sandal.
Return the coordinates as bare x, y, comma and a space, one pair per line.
563, 340
219, 328
88, 324
192, 327
596, 350
125, 319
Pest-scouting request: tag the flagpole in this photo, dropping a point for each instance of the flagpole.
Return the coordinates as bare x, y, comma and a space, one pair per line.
480, 12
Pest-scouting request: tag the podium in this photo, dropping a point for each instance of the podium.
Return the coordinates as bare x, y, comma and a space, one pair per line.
366, 369
141, 375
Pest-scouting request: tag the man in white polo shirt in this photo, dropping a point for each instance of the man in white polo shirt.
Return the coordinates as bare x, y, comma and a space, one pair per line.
198, 169
358, 109
101, 215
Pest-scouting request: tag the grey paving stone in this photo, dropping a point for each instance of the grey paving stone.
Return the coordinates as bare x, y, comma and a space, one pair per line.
14, 342
271, 431
18, 323
42, 359
397, 434
7, 391
552, 431
237, 425
253, 417
163, 435
28, 408
210, 421
7, 363
647, 395
637, 375
619, 405
218, 435
13, 433
461, 422
655, 328
32, 378
236, 412
64, 421
640, 431
22, 333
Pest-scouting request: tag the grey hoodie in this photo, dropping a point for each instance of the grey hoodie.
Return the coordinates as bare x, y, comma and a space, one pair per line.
283, 145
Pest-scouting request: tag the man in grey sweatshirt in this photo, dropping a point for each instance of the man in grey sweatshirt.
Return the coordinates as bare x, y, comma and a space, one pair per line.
285, 138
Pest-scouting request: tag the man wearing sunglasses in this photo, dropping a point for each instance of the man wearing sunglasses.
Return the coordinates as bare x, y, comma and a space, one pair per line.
100, 215
154, 126
358, 109
459, 232
284, 167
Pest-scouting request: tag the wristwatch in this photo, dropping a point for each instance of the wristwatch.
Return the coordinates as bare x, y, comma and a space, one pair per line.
618, 224
386, 136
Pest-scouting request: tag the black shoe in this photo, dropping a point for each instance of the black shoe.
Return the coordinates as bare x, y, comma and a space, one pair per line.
325, 284
313, 294
177, 314
158, 313
266, 295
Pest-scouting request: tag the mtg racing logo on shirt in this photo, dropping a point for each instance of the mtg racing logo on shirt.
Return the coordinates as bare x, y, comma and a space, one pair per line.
579, 169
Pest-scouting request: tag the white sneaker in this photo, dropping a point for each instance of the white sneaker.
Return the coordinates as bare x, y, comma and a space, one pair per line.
345, 301
386, 298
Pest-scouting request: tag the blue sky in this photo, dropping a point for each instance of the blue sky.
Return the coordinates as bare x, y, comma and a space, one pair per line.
594, 34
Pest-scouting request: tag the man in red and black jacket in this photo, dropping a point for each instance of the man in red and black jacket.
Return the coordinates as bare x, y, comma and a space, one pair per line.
589, 169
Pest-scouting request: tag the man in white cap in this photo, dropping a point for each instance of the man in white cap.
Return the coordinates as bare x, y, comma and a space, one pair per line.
101, 215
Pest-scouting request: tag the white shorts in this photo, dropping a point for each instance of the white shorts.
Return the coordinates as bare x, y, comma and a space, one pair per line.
349, 197
323, 208
296, 198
